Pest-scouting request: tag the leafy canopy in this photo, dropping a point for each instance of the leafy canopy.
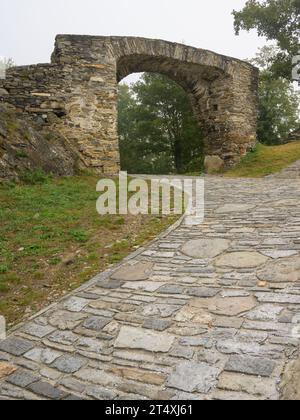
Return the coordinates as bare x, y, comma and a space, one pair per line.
277, 20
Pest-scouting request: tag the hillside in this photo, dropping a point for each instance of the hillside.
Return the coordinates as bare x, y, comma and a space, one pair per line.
26, 147
266, 160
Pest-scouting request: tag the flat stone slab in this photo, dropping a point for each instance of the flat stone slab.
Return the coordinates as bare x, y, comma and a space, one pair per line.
6, 369
267, 312
65, 320
68, 363
42, 355
241, 260
147, 286
235, 208
250, 365
16, 346
205, 248
281, 271
276, 254
194, 314
136, 272
231, 306
191, 376
138, 338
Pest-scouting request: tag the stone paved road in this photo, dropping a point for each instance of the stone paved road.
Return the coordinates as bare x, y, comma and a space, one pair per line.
205, 312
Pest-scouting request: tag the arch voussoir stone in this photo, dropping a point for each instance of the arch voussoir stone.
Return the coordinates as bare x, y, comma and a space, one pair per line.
78, 94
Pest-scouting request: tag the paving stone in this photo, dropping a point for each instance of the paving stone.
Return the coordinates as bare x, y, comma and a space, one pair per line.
11, 392
76, 304
161, 310
140, 375
42, 355
275, 254
63, 337
137, 338
266, 312
220, 395
36, 330
249, 384
191, 377
16, 346
49, 373
171, 289
202, 291
147, 286
65, 320
22, 378
96, 323
182, 352
228, 322
100, 393
238, 347
157, 324
137, 272
110, 284
234, 208
241, 260
90, 345
73, 384
278, 298
195, 314
6, 369
4, 357
205, 248
98, 377
68, 364
224, 306
250, 365
46, 390
234, 293
73, 398
281, 271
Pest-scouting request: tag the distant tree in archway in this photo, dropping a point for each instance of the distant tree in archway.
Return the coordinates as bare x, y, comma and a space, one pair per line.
157, 129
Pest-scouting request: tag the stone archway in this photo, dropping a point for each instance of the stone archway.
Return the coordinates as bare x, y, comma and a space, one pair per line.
79, 87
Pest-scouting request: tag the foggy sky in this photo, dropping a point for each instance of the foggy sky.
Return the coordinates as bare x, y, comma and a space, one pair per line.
28, 27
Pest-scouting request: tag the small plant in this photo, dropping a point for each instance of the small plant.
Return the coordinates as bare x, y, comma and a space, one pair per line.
21, 154
79, 235
55, 261
33, 177
3, 269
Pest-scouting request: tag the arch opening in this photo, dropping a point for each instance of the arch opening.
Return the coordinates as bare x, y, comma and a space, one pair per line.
158, 131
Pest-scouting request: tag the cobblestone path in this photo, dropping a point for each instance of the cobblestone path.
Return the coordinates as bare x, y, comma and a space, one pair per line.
204, 312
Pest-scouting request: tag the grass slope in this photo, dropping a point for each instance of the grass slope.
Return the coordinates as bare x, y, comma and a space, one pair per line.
266, 160
52, 240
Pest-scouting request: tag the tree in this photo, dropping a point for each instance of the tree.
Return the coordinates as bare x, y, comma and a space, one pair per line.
278, 109
157, 128
279, 21
278, 103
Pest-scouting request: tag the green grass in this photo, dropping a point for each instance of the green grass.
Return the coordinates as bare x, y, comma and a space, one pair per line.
52, 239
266, 160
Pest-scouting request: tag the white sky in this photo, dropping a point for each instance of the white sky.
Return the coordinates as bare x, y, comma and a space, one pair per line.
28, 27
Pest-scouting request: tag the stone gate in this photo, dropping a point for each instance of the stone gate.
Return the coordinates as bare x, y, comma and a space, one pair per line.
78, 92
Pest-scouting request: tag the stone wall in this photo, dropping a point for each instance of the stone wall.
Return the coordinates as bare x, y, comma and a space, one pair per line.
78, 93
